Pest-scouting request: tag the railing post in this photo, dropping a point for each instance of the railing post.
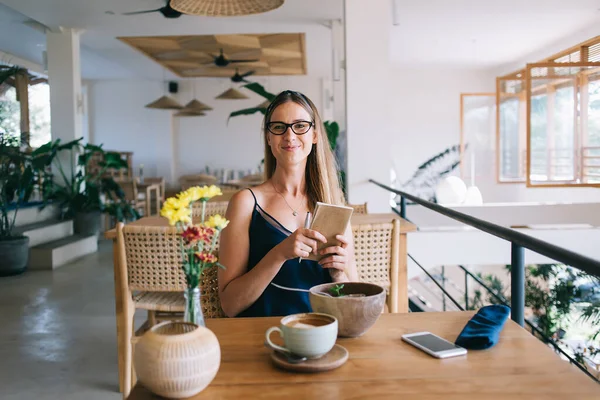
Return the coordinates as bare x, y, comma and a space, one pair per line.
517, 284
444, 286
402, 207
466, 290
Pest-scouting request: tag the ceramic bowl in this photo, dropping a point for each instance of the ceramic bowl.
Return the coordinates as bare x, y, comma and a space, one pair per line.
355, 315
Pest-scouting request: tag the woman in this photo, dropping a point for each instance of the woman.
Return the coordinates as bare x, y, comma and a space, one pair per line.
265, 237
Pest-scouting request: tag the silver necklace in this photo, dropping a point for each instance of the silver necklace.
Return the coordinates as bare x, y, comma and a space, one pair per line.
294, 212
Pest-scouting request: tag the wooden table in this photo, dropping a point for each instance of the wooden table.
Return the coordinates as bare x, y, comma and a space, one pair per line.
405, 227
383, 366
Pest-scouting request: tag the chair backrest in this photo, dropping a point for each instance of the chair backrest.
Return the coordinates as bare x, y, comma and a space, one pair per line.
212, 208
152, 262
161, 181
376, 248
359, 208
129, 187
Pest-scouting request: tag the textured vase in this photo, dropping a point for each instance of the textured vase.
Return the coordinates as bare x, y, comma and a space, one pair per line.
177, 359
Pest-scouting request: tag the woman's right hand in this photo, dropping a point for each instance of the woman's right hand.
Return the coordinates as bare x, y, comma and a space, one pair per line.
300, 243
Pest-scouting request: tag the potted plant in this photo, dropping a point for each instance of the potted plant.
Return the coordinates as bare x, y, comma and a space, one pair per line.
83, 193
17, 179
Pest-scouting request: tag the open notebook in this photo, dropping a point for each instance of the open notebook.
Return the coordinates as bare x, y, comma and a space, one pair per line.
329, 220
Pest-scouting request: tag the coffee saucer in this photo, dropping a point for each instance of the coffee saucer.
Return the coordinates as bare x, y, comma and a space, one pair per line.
336, 357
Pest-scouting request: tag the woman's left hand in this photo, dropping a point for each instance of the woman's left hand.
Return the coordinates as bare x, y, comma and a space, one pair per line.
337, 259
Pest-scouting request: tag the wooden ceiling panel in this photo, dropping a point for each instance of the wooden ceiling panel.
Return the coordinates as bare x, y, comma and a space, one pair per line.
190, 56
243, 41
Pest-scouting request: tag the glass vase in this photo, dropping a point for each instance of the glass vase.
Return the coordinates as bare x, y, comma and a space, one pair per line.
193, 308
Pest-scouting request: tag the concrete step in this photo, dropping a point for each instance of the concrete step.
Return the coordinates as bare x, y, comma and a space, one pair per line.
46, 231
57, 253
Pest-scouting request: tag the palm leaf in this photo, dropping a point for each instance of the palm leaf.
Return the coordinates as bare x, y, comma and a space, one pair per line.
260, 90
247, 111
428, 175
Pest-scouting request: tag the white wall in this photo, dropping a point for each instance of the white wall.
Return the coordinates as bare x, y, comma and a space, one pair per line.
403, 114
170, 146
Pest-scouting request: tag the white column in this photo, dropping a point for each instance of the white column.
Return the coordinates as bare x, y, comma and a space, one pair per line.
64, 76
368, 74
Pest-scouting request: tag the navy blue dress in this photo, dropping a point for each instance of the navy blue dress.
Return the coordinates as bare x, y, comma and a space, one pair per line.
265, 233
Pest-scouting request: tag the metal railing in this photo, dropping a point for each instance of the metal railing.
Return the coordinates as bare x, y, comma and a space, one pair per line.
519, 242
499, 297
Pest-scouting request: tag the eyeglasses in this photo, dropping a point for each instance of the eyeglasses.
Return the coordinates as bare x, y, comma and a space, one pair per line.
298, 127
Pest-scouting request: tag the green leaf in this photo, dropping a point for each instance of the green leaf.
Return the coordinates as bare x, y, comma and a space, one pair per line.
247, 111
260, 90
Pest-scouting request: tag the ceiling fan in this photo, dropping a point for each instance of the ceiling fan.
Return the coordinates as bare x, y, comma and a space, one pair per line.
167, 11
237, 78
222, 61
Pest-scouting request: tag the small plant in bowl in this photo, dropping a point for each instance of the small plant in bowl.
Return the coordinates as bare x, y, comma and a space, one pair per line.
336, 291
356, 305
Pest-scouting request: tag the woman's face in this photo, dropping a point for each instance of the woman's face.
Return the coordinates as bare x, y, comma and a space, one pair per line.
291, 148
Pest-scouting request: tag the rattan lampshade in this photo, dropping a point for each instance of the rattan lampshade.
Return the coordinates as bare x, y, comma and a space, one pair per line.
196, 105
232, 94
165, 103
188, 113
225, 8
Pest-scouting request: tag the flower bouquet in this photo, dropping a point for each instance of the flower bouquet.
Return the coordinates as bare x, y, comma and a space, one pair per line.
198, 242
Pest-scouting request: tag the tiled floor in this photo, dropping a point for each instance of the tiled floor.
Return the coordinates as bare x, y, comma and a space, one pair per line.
57, 334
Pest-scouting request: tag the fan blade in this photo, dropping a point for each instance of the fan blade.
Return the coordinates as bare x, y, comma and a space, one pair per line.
141, 12
248, 73
242, 61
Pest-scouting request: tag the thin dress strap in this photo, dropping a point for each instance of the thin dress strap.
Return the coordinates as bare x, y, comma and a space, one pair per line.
255, 202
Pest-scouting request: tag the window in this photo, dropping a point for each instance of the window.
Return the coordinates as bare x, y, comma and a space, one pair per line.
39, 114
476, 136
511, 133
25, 107
548, 120
562, 124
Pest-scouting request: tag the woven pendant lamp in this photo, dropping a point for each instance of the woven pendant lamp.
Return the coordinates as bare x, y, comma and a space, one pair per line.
225, 8
186, 113
232, 94
165, 103
196, 105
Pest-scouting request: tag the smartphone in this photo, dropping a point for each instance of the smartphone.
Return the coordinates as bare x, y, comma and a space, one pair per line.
434, 345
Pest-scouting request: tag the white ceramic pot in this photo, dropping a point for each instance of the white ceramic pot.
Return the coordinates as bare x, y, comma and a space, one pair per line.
177, 359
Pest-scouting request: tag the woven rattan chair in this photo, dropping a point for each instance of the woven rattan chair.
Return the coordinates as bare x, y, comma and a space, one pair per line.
149, 257
359, 208
161, 181
212, 208
377, 252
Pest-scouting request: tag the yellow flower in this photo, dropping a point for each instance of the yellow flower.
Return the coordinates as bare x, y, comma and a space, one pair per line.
194, 193
204, 193
182, 215
213, 191
218, 222
184, 199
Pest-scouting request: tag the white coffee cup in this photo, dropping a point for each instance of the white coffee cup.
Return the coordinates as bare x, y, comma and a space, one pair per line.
309, 335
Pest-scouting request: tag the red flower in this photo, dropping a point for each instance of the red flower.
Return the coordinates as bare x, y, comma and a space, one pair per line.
191, 234
194, 233
205, 257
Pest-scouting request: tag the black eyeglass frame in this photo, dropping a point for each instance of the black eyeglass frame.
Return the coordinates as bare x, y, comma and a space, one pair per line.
290, 126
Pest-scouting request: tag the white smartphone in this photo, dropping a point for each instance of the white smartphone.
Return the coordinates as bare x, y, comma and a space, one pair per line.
434, 345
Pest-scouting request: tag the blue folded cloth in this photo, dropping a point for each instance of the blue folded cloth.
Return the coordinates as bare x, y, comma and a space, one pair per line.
483, 330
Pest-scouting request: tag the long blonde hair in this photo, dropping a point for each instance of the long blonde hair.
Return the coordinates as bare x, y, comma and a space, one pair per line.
321, 174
